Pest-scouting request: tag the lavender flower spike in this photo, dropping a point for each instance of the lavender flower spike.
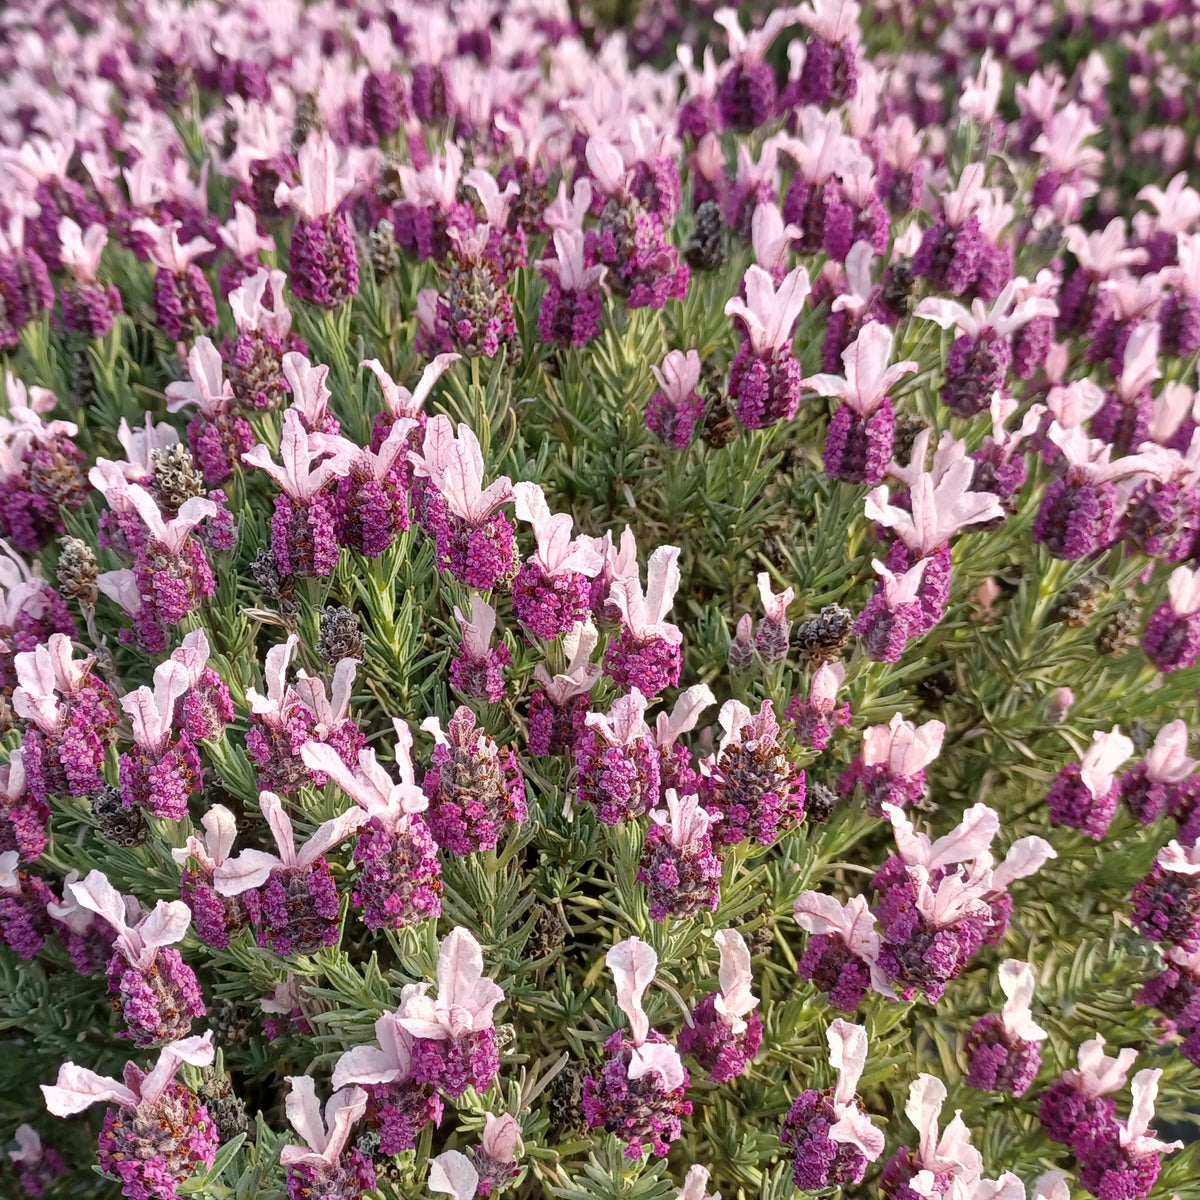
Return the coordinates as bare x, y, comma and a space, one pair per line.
859, 443
1172, 638
558, 707
1003, 1051
830, 1138
322, 258
551, 591
303, 533
639, 1094
1076, 1110
771, 637
765, 378
401, 1106
645, 655
1085, 795
726, 1032
216, 916
298, 901
680, 870
324, 1165
891, 766
474, 540
454, 1036
842, 956
399, 877
157, 1134
163, 768
938, 1160
157, 991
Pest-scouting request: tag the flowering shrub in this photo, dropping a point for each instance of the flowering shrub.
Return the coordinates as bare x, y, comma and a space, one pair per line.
595, 612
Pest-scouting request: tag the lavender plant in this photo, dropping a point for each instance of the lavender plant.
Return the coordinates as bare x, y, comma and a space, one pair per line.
599, 603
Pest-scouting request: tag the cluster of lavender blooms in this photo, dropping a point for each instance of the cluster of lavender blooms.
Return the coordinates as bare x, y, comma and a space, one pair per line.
490, 499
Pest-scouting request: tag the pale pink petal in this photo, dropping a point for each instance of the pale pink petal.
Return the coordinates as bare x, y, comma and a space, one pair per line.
459, 968
662, 1059
854, 1128
453, 1173
245, 871
78, 1088
848, 1057
195, 1051
500, 1136
329, 834
633, 963
166, 924
734, 975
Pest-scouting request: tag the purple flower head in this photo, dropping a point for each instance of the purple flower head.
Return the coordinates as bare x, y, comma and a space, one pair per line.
747, 90
675, 760
842, 956
676, 409
323, 260
474, 540
303, 536
765, 379
1172, 638
1079, 511
891, 766
475, 788
157, 992
551, 592
216, 917
36, 1165
645, 655
574, 300
1127, 1166
23, 816
1166, 904
24, 908
941, 502
858, 448
617, 761
400, 1106
323, 1165
829, 1136
454, 1036
816, 717
1152, 788
163, 768
680, 870
894, 613
297, 895
217, 436
1002, 1050
751, 781
70, 716
999, 467
937, 1162
771, 636
725, 1032
89, 308
183, 299
1085, 795
207, 706
639, 1093
156, 1135
399, 880
372, 498
478, 670
401, 404
558, 707
495, 1159
31, 609
1076, 1110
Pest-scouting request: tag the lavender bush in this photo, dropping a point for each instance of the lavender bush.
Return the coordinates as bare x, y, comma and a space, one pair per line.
599, 603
